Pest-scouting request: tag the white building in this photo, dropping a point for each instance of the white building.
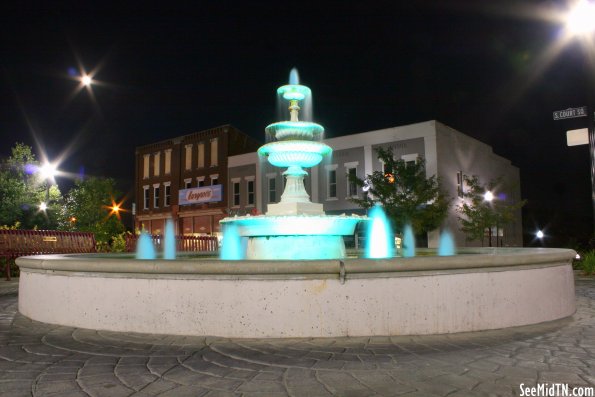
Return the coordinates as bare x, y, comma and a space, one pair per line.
448, 153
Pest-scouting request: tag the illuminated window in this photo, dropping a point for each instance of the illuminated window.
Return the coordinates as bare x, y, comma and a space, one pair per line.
200, 181
201, 155
156, 163
188, 157
146, 197
250, 192
214, 152
146, 159
167, 194
214, 179
168, 162
187, 183
156, 191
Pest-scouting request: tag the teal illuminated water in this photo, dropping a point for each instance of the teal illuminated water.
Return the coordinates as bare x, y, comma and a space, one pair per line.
169, 241
380, 241
144, 247
446, 244
408, 250
231, 246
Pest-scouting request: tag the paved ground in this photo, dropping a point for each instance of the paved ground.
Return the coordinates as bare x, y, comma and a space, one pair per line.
42, 360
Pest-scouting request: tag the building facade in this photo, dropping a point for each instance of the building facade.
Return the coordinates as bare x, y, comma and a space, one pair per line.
217, 172
448, 153
185, 179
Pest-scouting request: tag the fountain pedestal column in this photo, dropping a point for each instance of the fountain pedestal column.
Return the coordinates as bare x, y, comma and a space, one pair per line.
295, 200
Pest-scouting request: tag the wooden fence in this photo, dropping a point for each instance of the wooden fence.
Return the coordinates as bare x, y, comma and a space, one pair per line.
183, 243
15, 243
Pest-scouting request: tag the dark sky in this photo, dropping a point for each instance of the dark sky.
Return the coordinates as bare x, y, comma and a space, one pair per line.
485, 68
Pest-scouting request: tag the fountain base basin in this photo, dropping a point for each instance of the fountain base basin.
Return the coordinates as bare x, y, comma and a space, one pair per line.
254, 299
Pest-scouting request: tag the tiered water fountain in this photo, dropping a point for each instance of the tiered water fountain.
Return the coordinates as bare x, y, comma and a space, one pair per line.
294, 228
324, 295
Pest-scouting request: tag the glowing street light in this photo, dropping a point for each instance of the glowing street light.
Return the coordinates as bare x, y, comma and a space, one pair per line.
581, 18
87, 80
48, 171
488, 196
43, 206
539, 234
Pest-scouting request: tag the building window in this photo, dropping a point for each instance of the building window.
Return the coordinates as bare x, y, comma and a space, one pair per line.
146, 159
167, 162
236, 192
250, 192
332, 184
188, 157
272, 189
156, 163
187, 183
214, 179
351, 186
156, 191
201, 155
146, 197
460, 187
331, 181
167, 195
200, 181
214, 152
409, 159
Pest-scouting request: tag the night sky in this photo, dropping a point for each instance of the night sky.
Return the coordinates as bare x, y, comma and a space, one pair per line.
492, 70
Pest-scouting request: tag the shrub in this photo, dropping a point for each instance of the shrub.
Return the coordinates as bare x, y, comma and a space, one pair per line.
588, 262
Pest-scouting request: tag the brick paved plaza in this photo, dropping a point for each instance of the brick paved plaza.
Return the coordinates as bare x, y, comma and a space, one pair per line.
44, 360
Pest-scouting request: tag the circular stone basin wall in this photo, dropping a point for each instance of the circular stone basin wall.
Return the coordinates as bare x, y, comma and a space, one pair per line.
352, 297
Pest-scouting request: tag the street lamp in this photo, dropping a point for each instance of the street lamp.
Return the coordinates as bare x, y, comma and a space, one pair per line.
580, 20
580, 23
86, 80
488, 196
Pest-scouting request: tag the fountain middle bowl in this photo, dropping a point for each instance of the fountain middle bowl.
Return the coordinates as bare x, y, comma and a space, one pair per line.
288, 153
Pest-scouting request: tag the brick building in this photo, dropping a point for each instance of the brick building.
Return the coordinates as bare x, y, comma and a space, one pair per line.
185, 179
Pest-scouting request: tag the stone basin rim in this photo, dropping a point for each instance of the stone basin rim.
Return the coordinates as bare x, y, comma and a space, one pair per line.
473, 258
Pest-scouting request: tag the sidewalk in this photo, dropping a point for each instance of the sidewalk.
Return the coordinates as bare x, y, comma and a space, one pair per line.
45, 360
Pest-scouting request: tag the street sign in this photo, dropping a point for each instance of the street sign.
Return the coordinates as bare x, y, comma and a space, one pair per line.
570, 113
577, 137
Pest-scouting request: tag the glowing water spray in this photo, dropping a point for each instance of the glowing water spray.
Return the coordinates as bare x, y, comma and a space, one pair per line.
380, 238
169, 241
446, 244
408, 250
144, 247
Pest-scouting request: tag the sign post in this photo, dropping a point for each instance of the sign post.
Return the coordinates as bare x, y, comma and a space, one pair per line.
588, 112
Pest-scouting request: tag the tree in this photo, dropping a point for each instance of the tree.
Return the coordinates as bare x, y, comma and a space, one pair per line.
479, 215
407, 195
22, 189
87, 209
